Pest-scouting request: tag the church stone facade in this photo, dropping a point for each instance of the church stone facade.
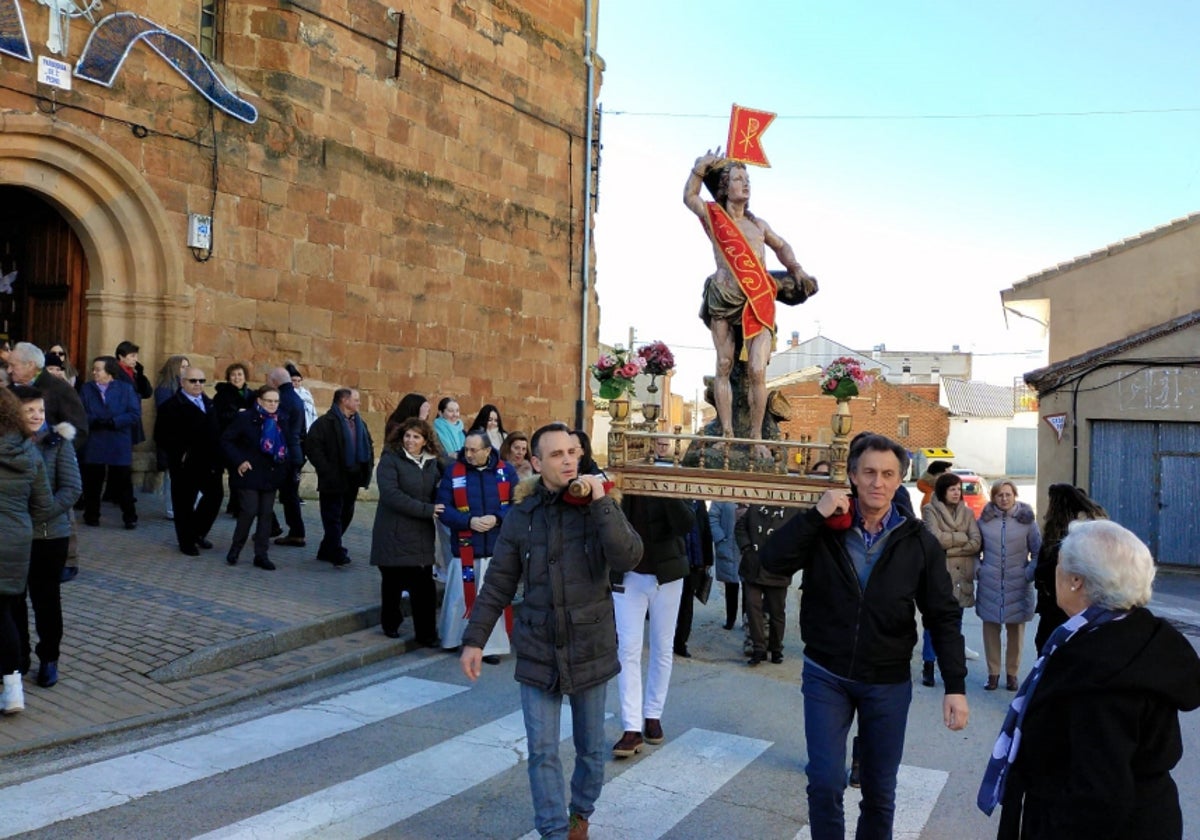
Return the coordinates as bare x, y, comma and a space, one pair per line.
421, 232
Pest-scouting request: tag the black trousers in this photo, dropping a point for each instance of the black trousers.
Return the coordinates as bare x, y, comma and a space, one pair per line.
773, 601
119, 480
46, 561
337, 511
10, 639
253, 504
289, 495
422, 597
683, 624
196, 497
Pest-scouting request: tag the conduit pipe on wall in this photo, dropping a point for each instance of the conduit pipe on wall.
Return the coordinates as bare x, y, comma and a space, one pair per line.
586, 262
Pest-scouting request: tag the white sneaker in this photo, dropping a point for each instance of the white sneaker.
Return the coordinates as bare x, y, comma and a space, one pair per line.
971, 654
14, 694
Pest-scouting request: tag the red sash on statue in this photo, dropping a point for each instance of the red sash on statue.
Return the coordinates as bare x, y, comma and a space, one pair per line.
756, 284
466, 548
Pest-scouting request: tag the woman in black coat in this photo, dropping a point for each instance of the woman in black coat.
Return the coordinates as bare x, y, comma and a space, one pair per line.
403, 534
233, 396
1087, 748
256, 455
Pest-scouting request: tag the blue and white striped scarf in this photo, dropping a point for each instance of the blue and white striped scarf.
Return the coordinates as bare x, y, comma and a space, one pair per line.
1004, 752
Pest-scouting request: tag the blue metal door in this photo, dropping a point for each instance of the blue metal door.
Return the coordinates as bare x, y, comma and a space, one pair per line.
1178, 525
1146, 475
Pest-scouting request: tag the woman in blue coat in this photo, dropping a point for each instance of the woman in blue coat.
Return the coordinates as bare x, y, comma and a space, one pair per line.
722, 519
257, 456
113, 411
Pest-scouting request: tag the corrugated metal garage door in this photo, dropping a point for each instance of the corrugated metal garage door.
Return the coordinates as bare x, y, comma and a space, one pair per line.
1147, 476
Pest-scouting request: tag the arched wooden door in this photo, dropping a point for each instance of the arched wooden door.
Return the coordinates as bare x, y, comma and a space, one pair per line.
46, 304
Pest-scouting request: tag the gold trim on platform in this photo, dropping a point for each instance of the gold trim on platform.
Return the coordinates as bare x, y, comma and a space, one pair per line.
683, 483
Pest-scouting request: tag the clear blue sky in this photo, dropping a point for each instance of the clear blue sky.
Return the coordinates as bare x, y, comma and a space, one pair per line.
912, 222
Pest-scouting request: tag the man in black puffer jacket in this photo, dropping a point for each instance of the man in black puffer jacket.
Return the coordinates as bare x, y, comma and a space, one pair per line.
560, 552
867, 566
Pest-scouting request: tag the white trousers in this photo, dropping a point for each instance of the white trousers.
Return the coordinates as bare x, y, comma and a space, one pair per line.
642, 593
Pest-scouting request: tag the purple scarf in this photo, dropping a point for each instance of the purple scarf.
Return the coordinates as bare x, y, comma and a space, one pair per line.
271, 440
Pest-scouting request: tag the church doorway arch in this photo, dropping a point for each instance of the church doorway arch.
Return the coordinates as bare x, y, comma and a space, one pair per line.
44, 259
130, 269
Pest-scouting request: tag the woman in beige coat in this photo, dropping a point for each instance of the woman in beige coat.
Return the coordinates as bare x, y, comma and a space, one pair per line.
950, 520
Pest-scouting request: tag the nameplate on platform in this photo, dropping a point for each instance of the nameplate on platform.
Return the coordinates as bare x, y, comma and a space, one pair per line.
736, 491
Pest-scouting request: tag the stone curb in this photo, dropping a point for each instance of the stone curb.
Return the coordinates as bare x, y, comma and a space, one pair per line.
335, 665
255, 646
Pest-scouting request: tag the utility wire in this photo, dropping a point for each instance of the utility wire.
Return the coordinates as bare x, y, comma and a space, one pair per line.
911, 117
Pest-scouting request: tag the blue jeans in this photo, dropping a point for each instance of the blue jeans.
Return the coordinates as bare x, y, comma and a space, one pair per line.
830, 704
543, 712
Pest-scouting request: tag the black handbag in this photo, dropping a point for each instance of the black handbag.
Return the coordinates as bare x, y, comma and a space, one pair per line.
702, 581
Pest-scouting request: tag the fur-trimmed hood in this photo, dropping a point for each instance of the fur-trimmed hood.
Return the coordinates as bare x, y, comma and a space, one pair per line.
1023, 513
52, 435
527, 486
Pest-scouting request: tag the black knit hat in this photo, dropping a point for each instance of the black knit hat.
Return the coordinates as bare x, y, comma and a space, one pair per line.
54, 360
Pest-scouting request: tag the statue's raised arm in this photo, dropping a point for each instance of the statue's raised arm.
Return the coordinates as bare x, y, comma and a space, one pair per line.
706, 163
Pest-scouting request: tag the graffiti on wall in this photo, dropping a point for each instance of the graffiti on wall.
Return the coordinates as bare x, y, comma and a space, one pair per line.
1162, 389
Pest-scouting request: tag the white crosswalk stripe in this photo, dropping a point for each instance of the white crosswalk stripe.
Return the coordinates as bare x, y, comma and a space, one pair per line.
368, 803
917, 791
654, 795
94, 787
643, 799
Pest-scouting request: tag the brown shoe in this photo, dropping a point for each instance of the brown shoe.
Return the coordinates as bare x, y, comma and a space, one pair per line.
629, 745
1012, 684
993, 682
578, 828
653, 731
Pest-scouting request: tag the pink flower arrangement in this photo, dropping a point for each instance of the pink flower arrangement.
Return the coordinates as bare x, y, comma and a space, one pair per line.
658, 358
617, 371
843, 377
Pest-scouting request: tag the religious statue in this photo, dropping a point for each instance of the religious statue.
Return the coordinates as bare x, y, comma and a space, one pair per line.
739, 299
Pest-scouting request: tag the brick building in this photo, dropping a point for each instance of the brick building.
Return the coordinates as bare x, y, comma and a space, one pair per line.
909, 414
391, 233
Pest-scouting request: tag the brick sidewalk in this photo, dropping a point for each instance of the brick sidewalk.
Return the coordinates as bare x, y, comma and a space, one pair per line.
139, 606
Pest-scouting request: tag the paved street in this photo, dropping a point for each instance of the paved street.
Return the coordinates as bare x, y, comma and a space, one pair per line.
355, 737
151, 633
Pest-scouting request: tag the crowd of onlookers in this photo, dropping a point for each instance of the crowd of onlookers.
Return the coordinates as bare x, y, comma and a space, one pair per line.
444, 487
84, 426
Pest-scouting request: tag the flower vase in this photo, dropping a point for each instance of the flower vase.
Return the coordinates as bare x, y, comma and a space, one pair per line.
650, 415
653, 386
841, 421
618, 410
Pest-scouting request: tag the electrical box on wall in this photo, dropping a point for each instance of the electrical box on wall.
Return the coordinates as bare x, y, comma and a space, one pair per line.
199, 231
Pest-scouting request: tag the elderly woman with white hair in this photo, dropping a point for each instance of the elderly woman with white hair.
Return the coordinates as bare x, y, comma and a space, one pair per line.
1087, 748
